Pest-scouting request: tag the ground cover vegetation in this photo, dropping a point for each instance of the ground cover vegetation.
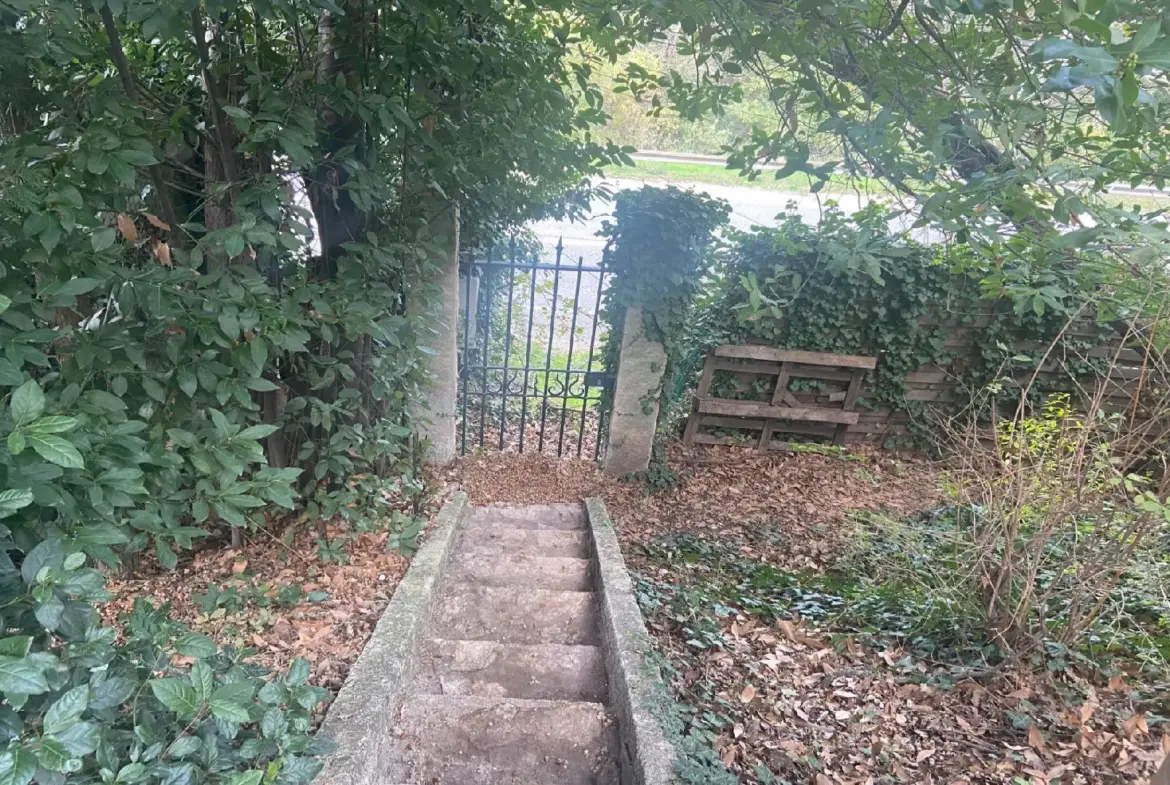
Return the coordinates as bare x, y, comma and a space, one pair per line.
1013, 632
218, 224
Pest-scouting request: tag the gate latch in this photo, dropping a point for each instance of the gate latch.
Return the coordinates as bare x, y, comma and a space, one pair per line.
599, 379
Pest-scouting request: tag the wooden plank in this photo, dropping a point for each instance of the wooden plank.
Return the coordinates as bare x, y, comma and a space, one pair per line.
710, 438
791, 355
1121, 355
801, 371
824, 430
850, 403
748, 424
704, 388
708, 374
780, 394
766, 435
854, 390
713, 421
767, 411
746, 366
927, 377
692, 427
869, 427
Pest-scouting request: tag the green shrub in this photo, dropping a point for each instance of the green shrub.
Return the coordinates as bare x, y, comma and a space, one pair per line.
82, 706
851, 285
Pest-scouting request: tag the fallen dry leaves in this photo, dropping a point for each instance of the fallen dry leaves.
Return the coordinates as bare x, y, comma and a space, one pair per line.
822, 710
329, 633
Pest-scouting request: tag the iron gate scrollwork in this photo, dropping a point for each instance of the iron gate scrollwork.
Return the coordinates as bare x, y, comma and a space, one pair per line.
531, 376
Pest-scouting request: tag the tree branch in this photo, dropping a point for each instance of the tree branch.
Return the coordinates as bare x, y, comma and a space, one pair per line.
166, 205
227, 151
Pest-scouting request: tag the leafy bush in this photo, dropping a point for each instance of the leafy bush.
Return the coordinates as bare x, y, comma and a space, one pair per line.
852, 285
82, 706
1057, 519
659, 247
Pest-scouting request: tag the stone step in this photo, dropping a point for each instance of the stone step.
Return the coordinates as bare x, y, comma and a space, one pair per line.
500, 670
537, 542
494, 567
541, 516
465, 740
514, 614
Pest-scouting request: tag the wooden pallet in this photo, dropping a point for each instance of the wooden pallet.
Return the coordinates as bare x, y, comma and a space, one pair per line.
784, 411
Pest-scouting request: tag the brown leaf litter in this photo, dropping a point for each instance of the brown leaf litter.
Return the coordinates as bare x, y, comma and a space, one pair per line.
819, 708
328, 632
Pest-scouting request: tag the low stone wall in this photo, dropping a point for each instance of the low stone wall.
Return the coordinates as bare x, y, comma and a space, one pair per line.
359, 720
635, 688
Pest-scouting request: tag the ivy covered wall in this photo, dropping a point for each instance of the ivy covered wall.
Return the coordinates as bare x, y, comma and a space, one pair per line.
853, 286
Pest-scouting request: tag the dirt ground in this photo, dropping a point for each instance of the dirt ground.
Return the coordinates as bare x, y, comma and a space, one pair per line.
787, 702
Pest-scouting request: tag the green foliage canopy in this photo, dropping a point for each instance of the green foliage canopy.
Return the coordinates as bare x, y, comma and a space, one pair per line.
1001, 123
213, 218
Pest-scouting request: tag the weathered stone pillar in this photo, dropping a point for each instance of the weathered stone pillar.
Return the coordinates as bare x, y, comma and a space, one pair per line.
635, 399
433, 305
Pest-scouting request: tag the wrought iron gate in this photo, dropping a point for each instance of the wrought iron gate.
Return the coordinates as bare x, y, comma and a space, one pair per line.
531, 376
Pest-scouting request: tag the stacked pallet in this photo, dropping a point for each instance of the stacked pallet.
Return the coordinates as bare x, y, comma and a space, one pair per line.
768, 400
786, 411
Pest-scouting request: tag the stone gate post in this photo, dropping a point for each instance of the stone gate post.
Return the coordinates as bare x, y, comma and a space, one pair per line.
632, 424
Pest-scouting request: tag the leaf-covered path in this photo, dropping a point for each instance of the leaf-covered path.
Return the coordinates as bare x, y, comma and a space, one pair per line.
773, 699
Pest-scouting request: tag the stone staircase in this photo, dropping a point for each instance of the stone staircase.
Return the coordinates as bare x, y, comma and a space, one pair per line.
509, 686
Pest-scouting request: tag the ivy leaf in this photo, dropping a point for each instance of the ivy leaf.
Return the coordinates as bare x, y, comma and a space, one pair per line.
28, 401
80, 738
16, 442
111, 692
55, 424
16, 646
56, 450
132, 772
66, 710
102, 239
196, 645
50, 611
54, 755
177, 695
178, 774
230, 712
19, 675
184, 746
12, 500
17, 767
234, 692
187, 382
202, 679
298, 771
154, 389
243, 778
1156, 56
1094, 58
47, 553
273, 724
10, 375
257, 432
298, 673
166, 556
76, 286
